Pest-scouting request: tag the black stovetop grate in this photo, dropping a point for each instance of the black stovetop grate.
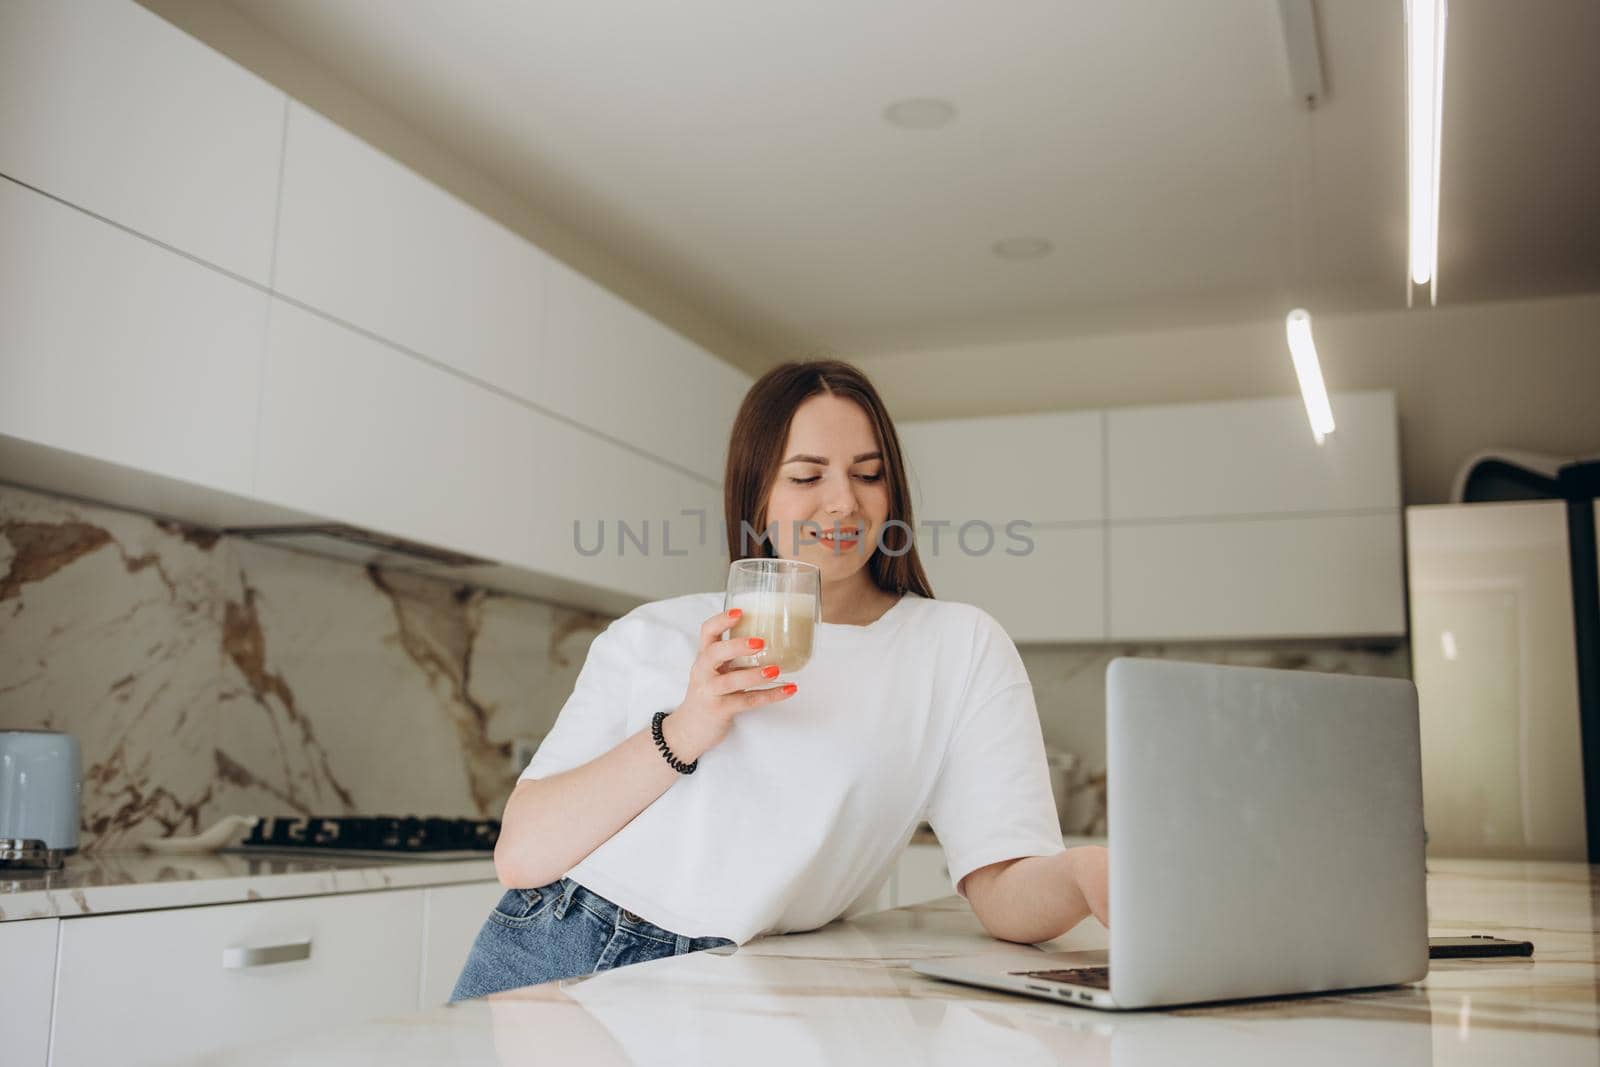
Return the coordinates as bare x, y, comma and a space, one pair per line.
375, 833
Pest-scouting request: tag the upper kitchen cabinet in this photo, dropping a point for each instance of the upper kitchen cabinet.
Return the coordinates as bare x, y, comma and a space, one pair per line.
1291, 576
972, 478
1251, 457
1042, 468
613, 368
1047, 584
370, 243
359, 433
1229, 521
608, 518
111, 109
115, 348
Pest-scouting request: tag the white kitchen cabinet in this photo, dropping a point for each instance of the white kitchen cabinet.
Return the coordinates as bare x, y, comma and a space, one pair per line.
644, 528
361, 433
921, 875
452, 915
1295, 576
1054, 592
1043, 468
1251, 457
978, 475
370, 243
109, 107
613, 368
116, 348
156, 986
27, 982
373, 244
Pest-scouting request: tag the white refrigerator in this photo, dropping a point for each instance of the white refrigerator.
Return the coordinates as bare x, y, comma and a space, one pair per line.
1495, 663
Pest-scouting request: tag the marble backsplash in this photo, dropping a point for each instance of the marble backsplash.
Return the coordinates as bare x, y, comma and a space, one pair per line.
207, 675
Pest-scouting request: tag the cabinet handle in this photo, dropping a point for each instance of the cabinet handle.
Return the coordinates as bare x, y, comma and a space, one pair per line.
239, 957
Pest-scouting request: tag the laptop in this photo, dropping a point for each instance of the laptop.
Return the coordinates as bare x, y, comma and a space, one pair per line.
1265, 840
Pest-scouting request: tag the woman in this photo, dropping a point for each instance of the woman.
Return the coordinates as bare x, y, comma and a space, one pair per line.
780, 807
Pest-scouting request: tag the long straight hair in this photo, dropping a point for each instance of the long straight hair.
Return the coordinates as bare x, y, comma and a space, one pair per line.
755, 452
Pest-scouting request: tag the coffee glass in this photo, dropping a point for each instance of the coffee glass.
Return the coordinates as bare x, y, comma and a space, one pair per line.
782, 604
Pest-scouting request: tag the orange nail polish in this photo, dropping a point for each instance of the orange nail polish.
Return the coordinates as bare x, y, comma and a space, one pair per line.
734, 613
769, 672
756, 642
790, 688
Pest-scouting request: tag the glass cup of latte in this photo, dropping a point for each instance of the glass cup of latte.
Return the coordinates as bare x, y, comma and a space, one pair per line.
782, 603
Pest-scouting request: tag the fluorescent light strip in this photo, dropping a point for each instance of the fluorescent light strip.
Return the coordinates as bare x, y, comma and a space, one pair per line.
1425, 25
1309, 371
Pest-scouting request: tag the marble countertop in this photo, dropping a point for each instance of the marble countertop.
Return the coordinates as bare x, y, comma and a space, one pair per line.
845, 995
98, 883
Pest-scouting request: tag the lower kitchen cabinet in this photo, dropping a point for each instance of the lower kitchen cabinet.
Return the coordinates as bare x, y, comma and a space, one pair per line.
160, 985
154, 986
452, 915
27, 975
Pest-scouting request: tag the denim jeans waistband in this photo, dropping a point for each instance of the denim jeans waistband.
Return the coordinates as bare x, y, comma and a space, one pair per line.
623, 919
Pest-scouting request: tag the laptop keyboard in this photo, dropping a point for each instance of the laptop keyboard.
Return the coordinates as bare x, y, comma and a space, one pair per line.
1093, 977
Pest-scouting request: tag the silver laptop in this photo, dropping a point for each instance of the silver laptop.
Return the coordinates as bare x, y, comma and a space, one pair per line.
1266, 840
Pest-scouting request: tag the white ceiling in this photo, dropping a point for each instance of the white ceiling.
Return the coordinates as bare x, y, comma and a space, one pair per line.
737, 152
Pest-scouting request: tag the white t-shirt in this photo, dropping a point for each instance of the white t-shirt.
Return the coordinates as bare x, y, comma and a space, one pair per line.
797, 817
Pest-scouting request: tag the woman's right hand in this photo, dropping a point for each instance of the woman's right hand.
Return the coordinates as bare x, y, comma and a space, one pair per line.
718, 691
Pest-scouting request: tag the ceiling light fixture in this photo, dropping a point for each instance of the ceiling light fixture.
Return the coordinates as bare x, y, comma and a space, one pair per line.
1023, 248
1309, 371
922, 113
1306, 83
1425, 21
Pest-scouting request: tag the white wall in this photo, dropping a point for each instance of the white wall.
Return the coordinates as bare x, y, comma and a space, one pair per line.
1524, 374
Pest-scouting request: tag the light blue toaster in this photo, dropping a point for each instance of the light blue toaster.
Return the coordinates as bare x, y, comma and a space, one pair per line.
41, 786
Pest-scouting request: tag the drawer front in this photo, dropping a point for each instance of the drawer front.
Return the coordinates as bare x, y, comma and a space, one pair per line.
452, 917
156, 986
27, 976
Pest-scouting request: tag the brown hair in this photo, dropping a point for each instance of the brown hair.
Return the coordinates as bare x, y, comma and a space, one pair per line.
755, 452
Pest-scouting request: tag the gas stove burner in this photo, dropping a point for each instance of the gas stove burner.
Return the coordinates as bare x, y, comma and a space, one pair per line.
373, 833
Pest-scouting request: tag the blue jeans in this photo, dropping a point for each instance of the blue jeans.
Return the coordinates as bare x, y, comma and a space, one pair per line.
562, 930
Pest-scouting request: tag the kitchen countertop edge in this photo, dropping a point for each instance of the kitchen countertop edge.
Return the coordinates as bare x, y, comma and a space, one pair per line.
107, 883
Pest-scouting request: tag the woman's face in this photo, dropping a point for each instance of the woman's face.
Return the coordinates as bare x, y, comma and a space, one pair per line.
830, 474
